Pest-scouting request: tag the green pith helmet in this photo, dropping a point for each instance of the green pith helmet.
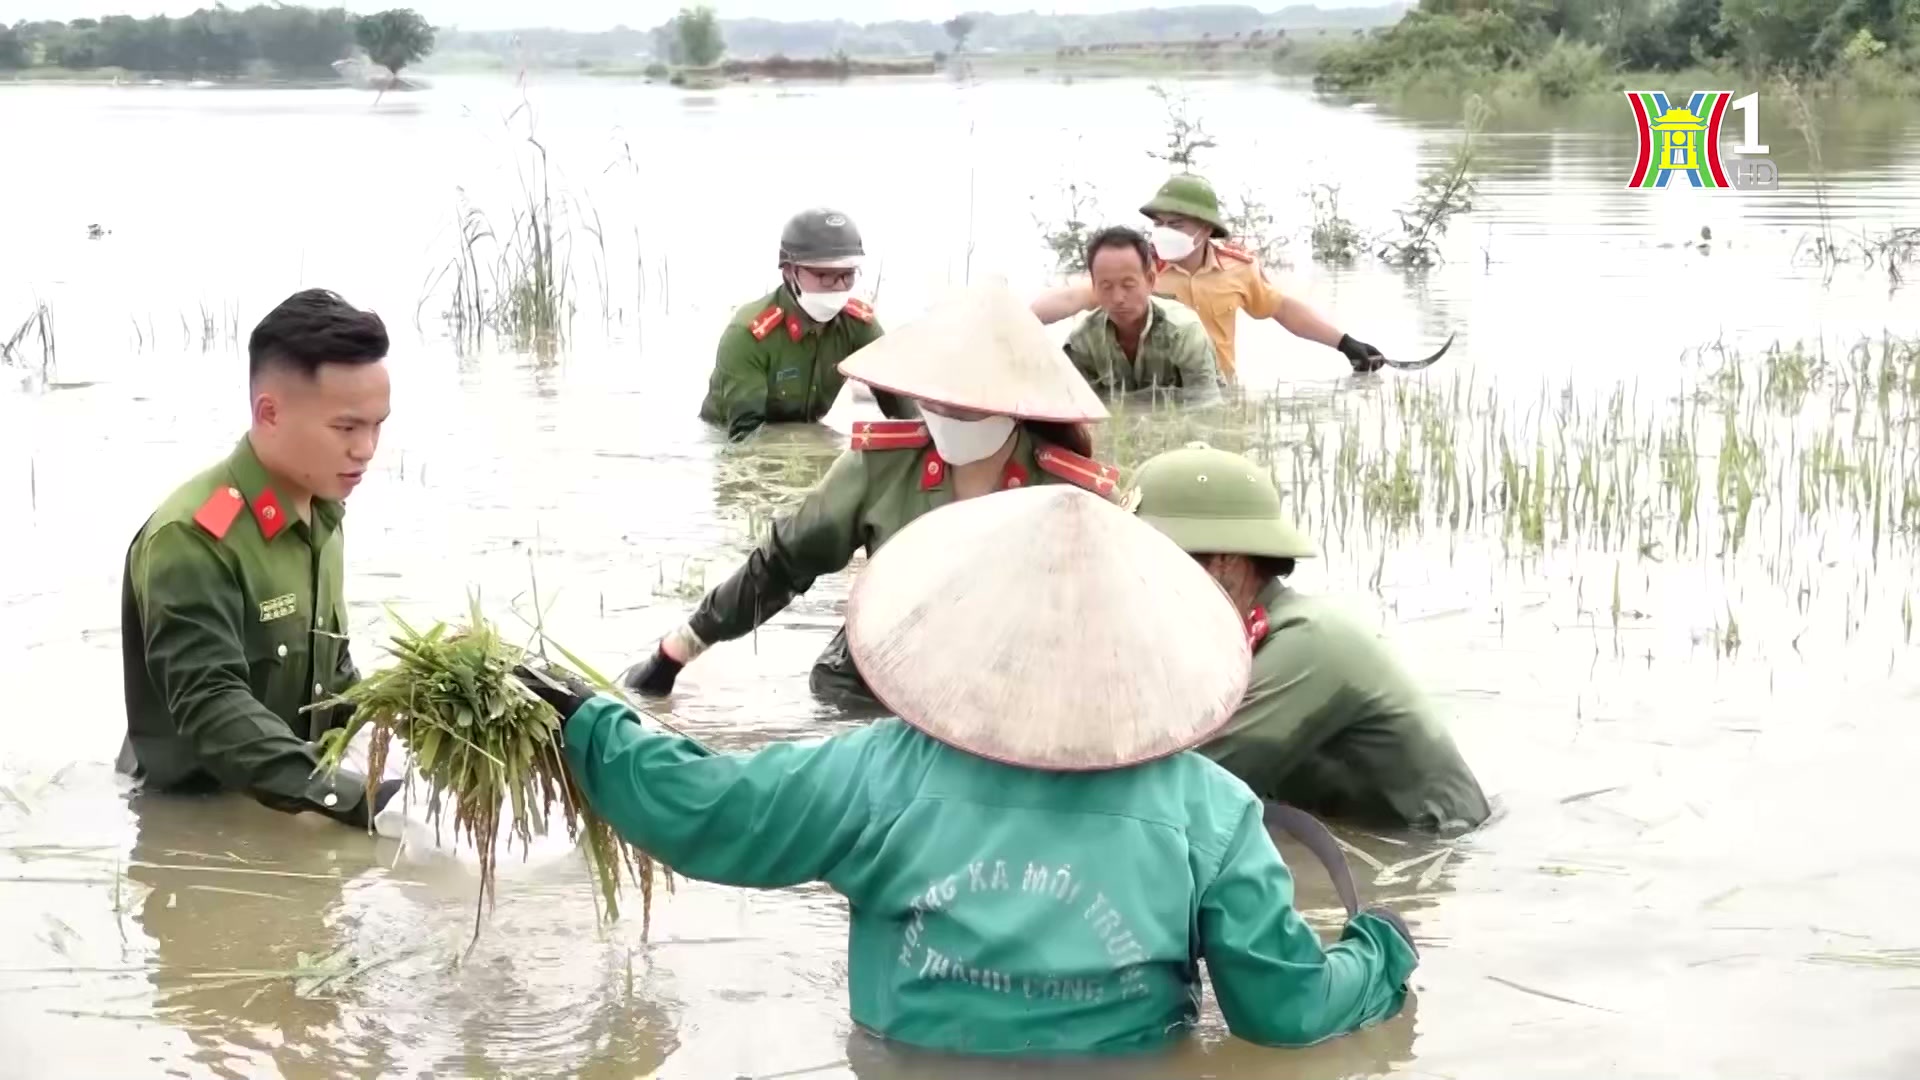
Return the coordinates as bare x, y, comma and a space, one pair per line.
821, 237
1189, 196
1211, 502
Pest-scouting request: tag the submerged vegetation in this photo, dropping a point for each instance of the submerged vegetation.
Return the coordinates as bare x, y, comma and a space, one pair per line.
1563, 48
481, 742
1444, 192
515, 282
1787, 461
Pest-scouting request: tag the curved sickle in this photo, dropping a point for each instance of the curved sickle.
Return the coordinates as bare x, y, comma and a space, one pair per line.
1416, 365
1304, 827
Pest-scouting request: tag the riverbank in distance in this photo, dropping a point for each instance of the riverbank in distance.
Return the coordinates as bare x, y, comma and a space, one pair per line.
1579, 52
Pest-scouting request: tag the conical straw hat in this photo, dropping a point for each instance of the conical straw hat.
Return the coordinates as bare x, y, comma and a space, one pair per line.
980, 348
1048, 628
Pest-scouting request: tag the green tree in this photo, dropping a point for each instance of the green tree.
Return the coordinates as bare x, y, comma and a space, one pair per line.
696, 37
959, 28
394, 39
13, 51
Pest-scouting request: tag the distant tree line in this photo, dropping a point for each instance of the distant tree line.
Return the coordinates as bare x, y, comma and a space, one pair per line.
969, 31
285, 40
1594, 37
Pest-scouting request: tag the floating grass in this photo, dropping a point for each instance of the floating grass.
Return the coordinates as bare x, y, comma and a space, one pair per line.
481, 741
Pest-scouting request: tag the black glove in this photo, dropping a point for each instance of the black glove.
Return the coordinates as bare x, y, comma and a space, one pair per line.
1399, 924
563, 690
1361, 355
364, 811
653, 676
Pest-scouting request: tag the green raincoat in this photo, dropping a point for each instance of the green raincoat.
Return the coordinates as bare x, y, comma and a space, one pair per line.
1001, 910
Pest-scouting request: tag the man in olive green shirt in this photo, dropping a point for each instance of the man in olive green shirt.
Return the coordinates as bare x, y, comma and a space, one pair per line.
1330, 723
1134, 340
232, 616
778, 359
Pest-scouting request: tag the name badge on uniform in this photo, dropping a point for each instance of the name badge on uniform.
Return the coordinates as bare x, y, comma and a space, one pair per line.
278, 608
786, 374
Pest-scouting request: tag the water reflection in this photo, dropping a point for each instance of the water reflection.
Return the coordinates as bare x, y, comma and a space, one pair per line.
216, 912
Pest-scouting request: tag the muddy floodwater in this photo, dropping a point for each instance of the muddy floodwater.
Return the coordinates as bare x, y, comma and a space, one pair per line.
1648, 533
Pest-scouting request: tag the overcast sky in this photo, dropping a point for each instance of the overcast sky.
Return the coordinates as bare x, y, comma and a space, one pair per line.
603, 14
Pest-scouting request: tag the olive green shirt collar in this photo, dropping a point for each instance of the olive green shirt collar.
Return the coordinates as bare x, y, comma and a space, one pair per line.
253, 480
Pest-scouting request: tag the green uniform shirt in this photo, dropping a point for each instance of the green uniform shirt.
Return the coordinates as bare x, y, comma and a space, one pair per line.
775, 364
1174, 353
1331, 724
889, 477
231, 620
1001, 910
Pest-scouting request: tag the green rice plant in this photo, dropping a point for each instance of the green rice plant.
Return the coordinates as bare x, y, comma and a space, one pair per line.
480, 739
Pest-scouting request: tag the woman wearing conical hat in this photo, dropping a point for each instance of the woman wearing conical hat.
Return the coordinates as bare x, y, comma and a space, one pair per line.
1330, 724
1002, 408
1033, 863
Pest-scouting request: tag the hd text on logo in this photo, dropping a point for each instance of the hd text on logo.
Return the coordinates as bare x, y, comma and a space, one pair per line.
1684, 142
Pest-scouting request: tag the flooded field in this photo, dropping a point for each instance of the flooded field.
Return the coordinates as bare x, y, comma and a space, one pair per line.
1648, 533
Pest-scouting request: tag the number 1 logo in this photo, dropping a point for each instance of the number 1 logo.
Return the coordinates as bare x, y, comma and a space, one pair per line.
1686, 141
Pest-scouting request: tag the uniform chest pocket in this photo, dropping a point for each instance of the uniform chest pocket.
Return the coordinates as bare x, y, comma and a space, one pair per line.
280, 634
1223, 306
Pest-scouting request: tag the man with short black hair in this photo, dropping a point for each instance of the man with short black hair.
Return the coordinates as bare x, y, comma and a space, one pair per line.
232, 615
1135, 340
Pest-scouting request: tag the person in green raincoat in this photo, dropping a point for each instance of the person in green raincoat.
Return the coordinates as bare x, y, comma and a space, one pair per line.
1034, 861
1331, 723
1001, 408
777, 361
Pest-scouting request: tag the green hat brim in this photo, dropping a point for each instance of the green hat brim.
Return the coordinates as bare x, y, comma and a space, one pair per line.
1164, 205
1265, 537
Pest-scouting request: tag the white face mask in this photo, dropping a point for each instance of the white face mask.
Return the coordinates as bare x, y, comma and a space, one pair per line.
824, 305
1172, 244
963, 442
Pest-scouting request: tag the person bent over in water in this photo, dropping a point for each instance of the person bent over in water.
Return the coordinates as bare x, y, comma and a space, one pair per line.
1034, 861
1330, 723
1001, 408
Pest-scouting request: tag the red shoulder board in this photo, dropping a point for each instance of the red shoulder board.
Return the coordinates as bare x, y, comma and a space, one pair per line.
1234, 251
763, 323
890, 435
1071, 467
217, 513
859, 309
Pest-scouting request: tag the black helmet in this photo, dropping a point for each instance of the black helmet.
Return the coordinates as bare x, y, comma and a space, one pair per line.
821, 237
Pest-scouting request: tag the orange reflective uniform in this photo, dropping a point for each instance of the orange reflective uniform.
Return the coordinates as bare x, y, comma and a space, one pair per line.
1228, 281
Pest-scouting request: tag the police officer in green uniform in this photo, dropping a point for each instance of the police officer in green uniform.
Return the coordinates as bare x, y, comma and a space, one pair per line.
778, 359
1330, 722
1001, 408
232, 616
